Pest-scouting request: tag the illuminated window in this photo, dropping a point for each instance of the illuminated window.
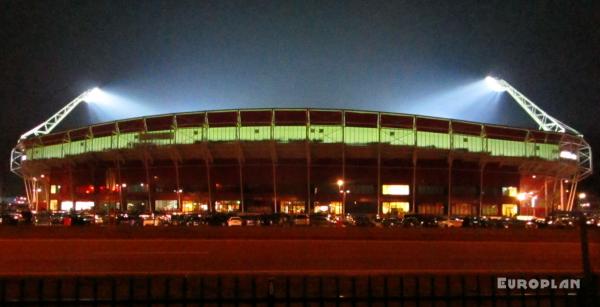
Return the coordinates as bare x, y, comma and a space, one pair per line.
192, 206
84, 205
165, 205
53, 205
292, 207
52, 189
66, 205
331, 208
396, 189
394, 208
489, 210
227, 206
509, 210
510, 191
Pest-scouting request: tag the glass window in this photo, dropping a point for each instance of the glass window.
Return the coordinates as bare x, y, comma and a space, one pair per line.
396, 189
510, 191
227, 206
292, 207
394, 208
165, 205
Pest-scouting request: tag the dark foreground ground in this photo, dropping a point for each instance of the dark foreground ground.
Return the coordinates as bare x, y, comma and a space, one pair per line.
215, 250
293, 266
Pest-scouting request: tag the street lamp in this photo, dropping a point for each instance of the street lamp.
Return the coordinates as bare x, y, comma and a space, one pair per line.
340, 183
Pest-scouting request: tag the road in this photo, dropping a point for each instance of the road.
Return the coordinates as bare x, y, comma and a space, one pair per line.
34, 256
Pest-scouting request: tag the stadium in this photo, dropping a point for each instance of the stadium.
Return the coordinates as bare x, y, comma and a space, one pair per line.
304, 161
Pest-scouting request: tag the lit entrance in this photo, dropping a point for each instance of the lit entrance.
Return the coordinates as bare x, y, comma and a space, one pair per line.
395, 207
292, 207
509, 210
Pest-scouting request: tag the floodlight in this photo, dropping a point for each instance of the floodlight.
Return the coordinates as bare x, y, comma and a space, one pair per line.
93, 95
494, 84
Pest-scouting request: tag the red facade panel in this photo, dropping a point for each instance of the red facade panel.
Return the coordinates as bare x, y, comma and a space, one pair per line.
103, 130
505, 133
131, 125
55, 138
356, 119
466, 128
290, 117
79, 134
159, 123
396, 121
432, 125
222, 119
325, 117
256, 118
190, 120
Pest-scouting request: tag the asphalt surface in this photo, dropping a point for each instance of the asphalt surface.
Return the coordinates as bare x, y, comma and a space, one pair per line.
52, 256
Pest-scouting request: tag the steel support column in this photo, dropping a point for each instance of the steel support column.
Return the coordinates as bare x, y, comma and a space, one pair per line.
178, 184
148, 186
241, 168
449, 186
481, 170
379, 178
211, 207
308, 175
413, 206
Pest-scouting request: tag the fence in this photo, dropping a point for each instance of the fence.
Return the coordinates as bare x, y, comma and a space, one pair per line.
263, 290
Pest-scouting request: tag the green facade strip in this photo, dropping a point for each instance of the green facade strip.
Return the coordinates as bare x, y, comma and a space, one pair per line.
314, 133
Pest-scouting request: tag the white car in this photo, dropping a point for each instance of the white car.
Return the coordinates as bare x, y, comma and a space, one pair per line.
234, 221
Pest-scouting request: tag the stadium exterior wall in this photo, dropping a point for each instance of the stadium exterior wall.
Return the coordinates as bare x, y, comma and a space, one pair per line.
290, 160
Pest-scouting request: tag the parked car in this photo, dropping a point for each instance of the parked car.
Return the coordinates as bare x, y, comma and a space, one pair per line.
452, 222
234, 221
80, 219
393, 221
251, 220
319, 220
10, 218
419, 220
42, 218
217, 219
362, 221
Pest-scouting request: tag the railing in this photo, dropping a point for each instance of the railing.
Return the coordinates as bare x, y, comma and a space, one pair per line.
253, 290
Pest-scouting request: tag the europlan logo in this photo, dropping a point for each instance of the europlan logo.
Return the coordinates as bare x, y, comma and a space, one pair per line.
537, 283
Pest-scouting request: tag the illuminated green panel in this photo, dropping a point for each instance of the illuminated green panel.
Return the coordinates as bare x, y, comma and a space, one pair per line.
433, 139
398, 136
360, 135
548, 151
126, 140
76, 148
100, 143
161, 137
30, 153
222, 133
290, 133
46, 152
468, 142
506, 148
189, 135
255, 133
325, 134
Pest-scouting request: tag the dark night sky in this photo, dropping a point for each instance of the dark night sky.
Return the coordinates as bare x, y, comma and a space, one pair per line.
380, 55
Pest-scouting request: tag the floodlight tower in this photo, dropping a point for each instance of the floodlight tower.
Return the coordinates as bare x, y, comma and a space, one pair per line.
578, 149
18, 154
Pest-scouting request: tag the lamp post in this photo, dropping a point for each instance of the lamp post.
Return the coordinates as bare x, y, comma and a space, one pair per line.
340, 184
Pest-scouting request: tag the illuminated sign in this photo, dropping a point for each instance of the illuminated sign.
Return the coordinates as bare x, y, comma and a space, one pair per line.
396, 189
